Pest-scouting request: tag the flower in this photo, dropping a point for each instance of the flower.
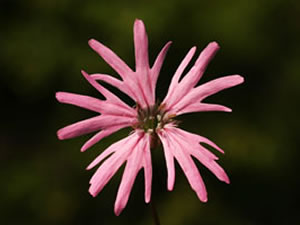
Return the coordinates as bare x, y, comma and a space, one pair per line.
150, 121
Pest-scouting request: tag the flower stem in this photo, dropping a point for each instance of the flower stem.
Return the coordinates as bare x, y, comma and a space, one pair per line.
154, 213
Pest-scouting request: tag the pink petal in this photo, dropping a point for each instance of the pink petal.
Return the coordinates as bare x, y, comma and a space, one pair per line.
142, 75
127, 86
147, 169
111, 98
112, 164
202, 155
91, 125
169, 160
202, 107
112, 148
170, 99
102, 134
111, 58
121, 85
198, 139
199, 93
195, 74
217, 85
134, 164
214, 167
188, 166
158, 64
82, 101
140, 46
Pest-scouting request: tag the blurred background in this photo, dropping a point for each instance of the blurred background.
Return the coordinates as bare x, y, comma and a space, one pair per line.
43, 47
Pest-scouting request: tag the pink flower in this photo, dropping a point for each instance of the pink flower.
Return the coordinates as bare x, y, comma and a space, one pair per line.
150, 122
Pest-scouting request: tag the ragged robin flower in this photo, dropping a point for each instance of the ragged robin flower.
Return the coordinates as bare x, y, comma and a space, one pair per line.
151, 122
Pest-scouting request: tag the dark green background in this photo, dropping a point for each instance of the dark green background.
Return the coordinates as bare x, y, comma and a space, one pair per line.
43, 47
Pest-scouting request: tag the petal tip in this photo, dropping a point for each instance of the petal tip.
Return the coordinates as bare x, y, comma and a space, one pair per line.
242, 79
214, 44
83, 148
88, 168
138, 21
117, 212
85, 74
92, 43
227, 110
58, 95
147, 199
60, 135
226, 179
92, 190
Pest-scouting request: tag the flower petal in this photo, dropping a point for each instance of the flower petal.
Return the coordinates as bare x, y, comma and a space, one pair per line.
202, 154
188, 166
214, 167
121, 85
113, 163
199, 93
112, 148
170, 99
112, 99
102, 134
195, 74
140, 46
192, 77
142, 74
198, 139
158, 64
202, 107
147, 170
91, 125
134, 164
169, 160
111, 58
82, 101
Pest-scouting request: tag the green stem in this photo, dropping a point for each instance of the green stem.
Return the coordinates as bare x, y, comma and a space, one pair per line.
154, 213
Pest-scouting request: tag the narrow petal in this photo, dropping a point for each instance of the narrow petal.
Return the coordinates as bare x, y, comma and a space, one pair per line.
201, 107
105, 173
147, 164
129, 86
189, 168
82, 101
169, 160
198, 139
195, 74
140, 46
170, 99
214, 167
203, 155
112, 164
110, 97
111, 58
217, 85
199, 93
112, 148
91, 125
121, 85
100, 135
134, 164
142, 63
158, 64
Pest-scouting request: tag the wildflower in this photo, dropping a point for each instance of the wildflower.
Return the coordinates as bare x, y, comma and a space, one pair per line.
150, 122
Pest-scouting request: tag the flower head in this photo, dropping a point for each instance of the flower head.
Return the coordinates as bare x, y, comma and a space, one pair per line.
149, 120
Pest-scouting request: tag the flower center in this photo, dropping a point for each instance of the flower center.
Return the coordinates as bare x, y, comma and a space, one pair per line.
152, 118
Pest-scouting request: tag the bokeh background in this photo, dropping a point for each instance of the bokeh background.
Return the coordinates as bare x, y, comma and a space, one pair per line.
43, 47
